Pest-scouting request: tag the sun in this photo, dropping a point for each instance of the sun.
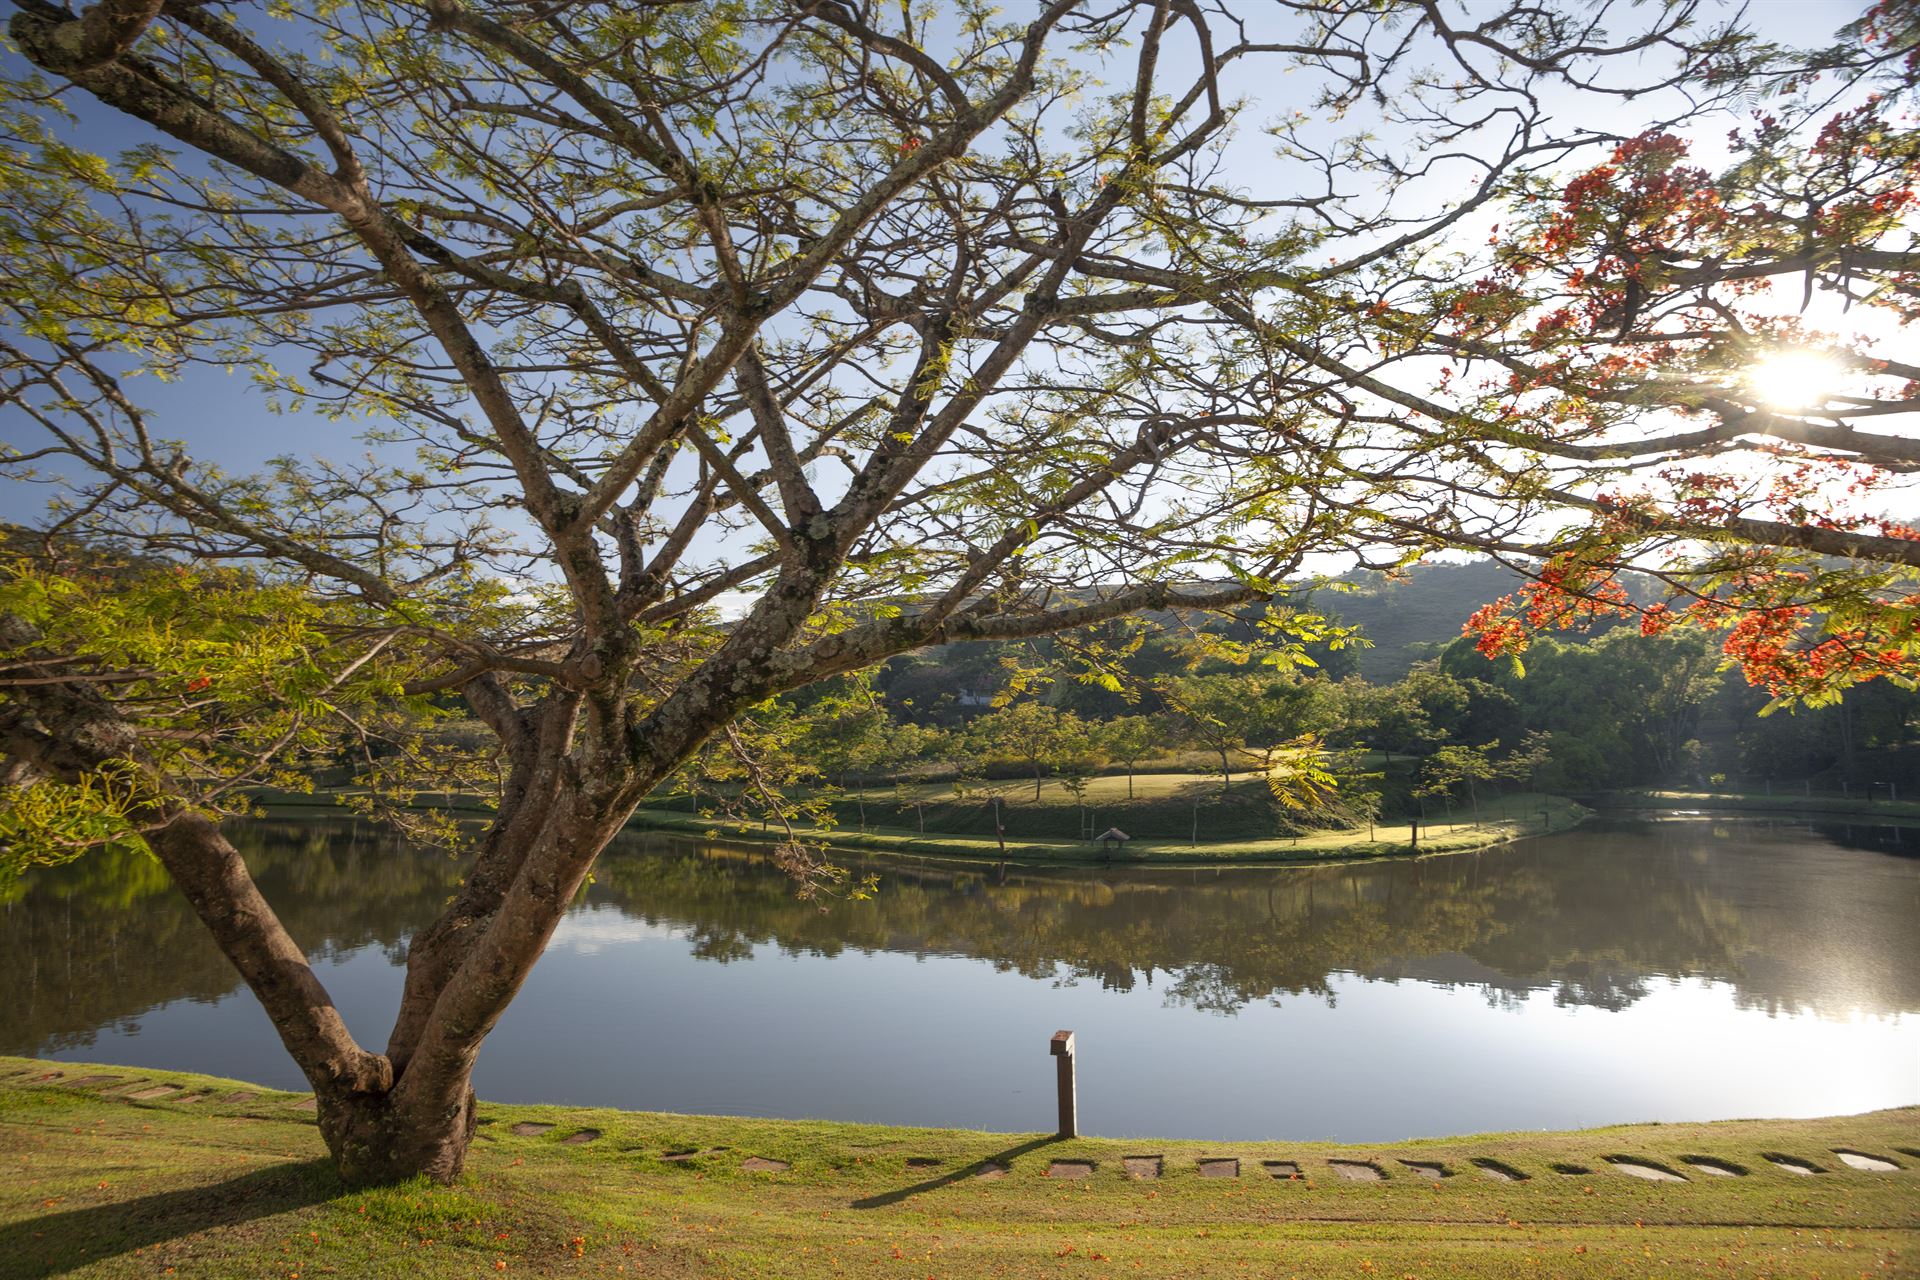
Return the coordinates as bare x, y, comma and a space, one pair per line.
1794, 379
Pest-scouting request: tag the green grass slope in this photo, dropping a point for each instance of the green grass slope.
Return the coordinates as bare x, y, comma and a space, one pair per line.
221, 1180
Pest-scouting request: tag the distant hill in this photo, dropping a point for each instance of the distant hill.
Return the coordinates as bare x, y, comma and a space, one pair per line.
1415, 619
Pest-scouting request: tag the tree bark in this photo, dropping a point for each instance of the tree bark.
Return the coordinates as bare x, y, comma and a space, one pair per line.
378, 1139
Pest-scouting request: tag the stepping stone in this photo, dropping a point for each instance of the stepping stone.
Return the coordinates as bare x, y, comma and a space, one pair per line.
45, 1076
1356, 1171
1281, 1168
193, 1097
1430, 1170
761, 1164
1224, 1167
90, 1082
307, 1104
1866, 1163
1713, 1168
581, 1138
924, 1162
1792, 1164
238, 1095
152, 1092
531, 1128
992, 1170
1645, 1172
1141, 1168
676, 1157
1507, 1173
1071, 1170
1571, 1170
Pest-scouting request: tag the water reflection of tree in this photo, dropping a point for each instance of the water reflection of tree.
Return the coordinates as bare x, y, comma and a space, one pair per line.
1598, 917
101, 940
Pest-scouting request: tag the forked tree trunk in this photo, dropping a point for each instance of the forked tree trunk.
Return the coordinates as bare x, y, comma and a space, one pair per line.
377, 1139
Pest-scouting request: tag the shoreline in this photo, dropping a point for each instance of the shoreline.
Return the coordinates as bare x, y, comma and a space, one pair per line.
1320, 848
1312, 849
1317, 848
18, 1073
1884, 812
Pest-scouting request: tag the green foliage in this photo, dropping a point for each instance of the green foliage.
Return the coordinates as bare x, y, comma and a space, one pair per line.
217, 681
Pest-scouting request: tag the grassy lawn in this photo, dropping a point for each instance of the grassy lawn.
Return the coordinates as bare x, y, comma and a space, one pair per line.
1160, 815
221, 1186
1502, 818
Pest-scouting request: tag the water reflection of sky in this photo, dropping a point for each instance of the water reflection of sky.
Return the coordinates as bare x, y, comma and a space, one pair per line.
944, 1040
1661, 973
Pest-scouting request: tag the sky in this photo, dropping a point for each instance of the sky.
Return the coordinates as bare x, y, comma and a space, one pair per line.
224, 417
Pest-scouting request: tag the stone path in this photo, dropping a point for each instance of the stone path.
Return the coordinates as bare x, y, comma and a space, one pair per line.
1357, 1170
1497, 1171
1866, 1163
1134, 1167
1433, 1171
688, 1155
1644, 1171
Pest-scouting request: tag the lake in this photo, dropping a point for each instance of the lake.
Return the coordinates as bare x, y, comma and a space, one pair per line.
1682, 969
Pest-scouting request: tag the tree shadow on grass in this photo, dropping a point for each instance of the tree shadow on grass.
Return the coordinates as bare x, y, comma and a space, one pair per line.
57, 1243
1001, 1158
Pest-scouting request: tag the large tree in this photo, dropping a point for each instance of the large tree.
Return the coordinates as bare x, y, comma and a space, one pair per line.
704, 350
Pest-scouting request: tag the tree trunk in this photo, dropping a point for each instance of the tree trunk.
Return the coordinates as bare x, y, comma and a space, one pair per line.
1129, 779
383, 1138
1226, 773
1036, 782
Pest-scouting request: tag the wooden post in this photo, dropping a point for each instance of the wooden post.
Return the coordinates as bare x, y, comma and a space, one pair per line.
1062, 1049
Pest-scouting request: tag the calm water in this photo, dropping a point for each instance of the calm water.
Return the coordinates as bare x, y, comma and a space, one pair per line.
1685, 969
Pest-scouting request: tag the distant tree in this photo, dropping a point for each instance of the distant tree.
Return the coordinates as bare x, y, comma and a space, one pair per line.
1250, 712
1075, 779
1038, 735
1126, 739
